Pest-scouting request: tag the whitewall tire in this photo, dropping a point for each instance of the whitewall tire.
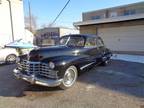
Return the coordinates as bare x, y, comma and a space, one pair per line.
69, 78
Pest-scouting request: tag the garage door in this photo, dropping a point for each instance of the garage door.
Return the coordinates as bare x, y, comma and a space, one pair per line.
129, 38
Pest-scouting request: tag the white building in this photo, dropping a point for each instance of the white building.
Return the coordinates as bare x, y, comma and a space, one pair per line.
11, 21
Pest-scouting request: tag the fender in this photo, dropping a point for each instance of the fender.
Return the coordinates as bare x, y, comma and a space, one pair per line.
62, 62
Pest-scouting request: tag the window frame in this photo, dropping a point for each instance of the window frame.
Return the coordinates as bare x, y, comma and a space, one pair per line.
102, 43
69, 39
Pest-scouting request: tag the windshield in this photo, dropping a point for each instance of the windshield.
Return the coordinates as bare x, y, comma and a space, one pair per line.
63, 40
73, 41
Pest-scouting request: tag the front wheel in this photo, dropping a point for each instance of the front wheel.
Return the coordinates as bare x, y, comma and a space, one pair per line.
69, 78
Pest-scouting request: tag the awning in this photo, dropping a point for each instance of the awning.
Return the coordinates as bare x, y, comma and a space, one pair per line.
20, 44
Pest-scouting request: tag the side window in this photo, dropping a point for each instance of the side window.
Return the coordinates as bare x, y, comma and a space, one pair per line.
99, 42
76, 42
90, 42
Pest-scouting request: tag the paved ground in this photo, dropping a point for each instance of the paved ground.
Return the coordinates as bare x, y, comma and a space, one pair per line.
119, 85
129, 58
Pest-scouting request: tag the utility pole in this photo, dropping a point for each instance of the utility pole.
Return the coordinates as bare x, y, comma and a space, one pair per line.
11, 19
30, 16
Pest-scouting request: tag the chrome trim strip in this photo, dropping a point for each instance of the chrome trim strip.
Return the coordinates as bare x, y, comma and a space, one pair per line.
86, 65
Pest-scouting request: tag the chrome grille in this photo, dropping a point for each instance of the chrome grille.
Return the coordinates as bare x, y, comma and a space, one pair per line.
37, 68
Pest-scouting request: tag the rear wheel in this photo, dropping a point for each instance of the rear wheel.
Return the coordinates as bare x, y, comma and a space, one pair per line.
104, 63
11, 59
69, 78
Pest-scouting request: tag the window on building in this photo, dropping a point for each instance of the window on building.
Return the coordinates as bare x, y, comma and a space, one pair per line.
96, 17
113, 14
48, 42
129, 12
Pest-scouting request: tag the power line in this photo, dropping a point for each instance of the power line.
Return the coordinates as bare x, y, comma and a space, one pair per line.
60, 12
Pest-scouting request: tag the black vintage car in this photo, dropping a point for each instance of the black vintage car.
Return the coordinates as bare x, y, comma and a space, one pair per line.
60, 65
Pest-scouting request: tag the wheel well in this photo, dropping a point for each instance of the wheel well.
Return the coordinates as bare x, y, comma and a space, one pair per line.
78, 69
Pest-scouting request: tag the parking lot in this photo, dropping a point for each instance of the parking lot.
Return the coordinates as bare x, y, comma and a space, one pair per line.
118, 85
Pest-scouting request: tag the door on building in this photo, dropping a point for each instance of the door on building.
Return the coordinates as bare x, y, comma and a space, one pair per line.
128, 38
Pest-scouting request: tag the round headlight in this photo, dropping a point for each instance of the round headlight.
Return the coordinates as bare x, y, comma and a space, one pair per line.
51, 65
17, 60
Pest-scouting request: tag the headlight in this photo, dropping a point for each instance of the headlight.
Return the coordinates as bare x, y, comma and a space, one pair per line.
17, 60
51, 65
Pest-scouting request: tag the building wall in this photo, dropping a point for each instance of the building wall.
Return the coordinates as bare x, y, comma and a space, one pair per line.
5, 27
121, 36
48, 32
18, 19
47, 36
114, 12
93, 15
51, 35
5, 23
92, 29
66, 31
117, 28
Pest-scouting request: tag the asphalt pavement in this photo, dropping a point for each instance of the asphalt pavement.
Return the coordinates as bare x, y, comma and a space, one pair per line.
118, 85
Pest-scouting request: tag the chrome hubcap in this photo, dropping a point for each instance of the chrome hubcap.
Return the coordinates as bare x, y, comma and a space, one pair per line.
69, 77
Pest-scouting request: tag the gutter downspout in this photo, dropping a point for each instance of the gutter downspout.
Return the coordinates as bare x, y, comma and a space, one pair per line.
11, 19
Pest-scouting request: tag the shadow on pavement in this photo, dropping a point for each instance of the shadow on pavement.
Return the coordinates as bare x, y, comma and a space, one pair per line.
12, 87
119, 76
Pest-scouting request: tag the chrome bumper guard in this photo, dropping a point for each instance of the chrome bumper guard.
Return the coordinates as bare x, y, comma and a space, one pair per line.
34, 80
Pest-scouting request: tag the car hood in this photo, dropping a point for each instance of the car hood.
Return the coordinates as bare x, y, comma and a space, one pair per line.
52, 51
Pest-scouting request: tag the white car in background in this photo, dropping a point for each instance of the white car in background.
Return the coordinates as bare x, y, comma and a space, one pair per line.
8, 55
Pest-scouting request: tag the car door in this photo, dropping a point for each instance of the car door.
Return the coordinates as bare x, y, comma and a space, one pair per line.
92, 50
102, 49
100, 45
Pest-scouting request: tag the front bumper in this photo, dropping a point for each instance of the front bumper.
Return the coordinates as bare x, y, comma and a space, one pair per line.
35, 80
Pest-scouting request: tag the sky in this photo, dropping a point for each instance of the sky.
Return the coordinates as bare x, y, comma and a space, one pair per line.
47, 10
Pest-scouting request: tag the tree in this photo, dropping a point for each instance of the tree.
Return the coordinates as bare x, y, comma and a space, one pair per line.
31, 23
48, 25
